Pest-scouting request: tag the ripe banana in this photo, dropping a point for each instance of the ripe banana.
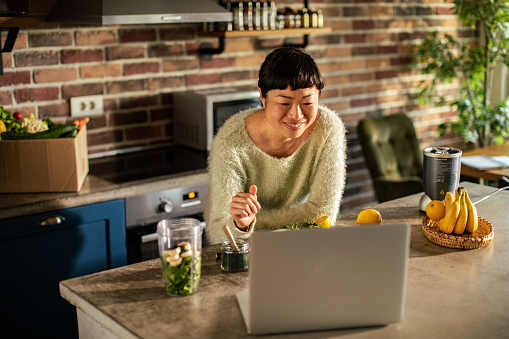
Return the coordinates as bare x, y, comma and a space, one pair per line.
449, 198
461, 221
472, 221
448, 222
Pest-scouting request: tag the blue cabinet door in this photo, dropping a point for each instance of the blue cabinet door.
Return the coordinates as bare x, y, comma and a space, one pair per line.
35, 257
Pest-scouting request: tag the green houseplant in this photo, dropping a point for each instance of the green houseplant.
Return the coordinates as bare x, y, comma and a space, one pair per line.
447, 59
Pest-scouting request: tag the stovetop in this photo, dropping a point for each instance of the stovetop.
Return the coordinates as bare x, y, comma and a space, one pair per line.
148, 163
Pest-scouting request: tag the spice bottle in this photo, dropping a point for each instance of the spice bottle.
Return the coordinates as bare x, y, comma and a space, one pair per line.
232, 260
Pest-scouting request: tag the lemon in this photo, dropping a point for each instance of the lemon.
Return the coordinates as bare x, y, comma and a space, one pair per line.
323, 221
2, 127
369, 216
435, 210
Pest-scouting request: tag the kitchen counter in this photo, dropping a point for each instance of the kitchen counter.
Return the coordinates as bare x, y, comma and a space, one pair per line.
450, 293
94, 190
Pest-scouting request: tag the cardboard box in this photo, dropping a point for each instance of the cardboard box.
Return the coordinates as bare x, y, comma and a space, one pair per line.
47, 165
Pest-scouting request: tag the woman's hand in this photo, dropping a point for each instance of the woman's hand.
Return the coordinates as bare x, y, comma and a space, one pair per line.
244, 208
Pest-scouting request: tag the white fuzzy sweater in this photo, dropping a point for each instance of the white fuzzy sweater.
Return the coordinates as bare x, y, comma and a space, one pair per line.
298, 188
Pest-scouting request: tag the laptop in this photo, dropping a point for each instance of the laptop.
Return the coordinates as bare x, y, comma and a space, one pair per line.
323, 279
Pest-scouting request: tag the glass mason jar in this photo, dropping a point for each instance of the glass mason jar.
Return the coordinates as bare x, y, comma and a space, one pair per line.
233, 261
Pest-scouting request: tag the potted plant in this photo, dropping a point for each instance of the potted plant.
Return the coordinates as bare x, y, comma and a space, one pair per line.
447, 59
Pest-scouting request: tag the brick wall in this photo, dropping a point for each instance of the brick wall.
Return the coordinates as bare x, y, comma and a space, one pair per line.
366, 62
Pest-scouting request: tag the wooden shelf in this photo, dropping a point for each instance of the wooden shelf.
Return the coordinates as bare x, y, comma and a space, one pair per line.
262, 33
19, 21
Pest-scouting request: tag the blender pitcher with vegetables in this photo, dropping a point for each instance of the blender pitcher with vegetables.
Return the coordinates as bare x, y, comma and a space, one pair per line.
179, 243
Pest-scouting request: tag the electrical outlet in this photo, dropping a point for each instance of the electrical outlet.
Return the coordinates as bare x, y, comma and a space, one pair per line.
87, 106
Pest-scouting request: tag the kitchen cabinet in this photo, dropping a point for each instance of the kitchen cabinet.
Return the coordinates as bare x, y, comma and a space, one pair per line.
40, 250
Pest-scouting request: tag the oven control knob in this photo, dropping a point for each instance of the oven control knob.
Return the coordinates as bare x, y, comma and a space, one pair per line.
166, 206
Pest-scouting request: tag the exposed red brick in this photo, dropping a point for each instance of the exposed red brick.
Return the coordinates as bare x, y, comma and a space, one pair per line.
144, 132
401, 61
174, 65
356, 77
336, 79
55, 75
141, 68
95, 38
6, 60
125, 52
80, 56
160, 114
136, 102
70, 91
353, 38
96, 121
101, 71
57, 110
125, 86
239, 45
379, 11
36, 94
171, 34
354, 11
235, 76
201, 79
363, 24
353, 64
38, 58
388, 49
367, 50
106, 137
216, 63
335, 52
165, 82
165, 50
50, 39
444, 11
386, 74
19, 43
15, 78
6, 98
136, 35
118, 119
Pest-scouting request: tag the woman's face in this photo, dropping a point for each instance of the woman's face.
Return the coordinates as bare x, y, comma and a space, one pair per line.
291, 112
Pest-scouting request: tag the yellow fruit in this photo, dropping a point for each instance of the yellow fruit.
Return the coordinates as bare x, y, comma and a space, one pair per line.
449, 198
369, 216
435, 210
451, 214
461, 222
472, 220
2, 127
324, 221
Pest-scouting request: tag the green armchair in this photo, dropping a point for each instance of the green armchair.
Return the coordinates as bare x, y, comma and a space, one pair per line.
392, 154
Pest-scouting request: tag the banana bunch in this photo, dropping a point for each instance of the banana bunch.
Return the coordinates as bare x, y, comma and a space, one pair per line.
460, 213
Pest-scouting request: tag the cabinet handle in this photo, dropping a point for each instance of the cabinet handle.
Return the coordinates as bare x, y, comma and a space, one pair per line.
51, 220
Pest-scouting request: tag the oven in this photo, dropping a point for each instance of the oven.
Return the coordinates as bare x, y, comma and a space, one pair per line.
143, 212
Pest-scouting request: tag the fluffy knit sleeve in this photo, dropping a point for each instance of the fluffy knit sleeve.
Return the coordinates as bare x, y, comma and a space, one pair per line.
227, 178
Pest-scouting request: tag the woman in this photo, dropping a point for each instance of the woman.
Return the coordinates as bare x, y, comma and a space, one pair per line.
280, 164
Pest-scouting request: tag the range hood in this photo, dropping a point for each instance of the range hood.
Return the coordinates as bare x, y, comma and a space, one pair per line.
117, 12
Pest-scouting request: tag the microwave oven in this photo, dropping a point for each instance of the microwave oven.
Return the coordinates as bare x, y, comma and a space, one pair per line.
197, 115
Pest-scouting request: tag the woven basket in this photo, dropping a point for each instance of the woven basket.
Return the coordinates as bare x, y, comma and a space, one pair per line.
466, 241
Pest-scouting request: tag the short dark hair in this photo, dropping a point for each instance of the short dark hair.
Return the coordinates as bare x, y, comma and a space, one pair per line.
289, 66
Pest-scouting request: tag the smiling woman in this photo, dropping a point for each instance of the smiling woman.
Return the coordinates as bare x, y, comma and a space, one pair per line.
282, 163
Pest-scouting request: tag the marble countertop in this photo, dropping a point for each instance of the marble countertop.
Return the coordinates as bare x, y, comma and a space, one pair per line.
450, 293
94, 190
